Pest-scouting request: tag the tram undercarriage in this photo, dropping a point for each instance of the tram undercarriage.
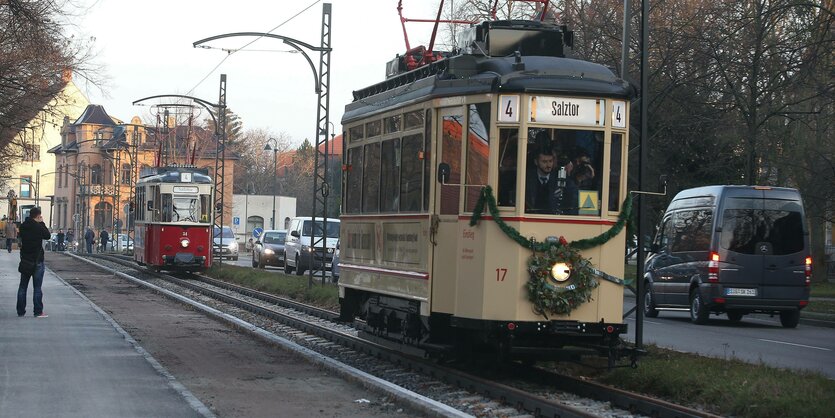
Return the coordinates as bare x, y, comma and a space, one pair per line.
397, 322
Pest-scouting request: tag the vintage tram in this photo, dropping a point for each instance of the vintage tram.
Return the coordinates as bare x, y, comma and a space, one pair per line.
450, 237
173, 218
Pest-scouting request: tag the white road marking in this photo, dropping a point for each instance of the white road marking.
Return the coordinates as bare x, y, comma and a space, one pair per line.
645, 321
796, 345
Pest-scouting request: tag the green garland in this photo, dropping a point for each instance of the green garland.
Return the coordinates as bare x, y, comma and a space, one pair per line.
548, 295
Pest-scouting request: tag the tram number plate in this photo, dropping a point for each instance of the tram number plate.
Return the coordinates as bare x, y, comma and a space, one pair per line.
735, 291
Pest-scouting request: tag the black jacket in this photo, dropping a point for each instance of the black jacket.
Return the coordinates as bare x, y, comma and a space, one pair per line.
32, 235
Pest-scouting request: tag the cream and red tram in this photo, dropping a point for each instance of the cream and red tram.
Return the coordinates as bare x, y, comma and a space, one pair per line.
173, 211
420, 149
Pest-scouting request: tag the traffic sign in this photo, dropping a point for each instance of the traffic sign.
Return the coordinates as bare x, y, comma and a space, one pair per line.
257, 232
236, 220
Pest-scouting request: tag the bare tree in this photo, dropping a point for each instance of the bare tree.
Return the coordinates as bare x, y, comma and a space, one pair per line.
36, 61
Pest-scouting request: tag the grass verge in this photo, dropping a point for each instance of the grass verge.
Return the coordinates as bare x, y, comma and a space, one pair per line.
727, 387
721, 386
823, 290
292, 286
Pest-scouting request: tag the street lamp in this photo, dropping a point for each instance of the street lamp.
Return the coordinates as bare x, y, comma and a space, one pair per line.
275, 172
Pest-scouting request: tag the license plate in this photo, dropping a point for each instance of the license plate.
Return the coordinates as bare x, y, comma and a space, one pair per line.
327, 265
735, 291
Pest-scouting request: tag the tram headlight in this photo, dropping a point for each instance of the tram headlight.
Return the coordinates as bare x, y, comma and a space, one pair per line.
184, 242
560, 272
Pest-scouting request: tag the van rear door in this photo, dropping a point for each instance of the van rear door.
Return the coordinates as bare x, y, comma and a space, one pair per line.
784, 263
761, 244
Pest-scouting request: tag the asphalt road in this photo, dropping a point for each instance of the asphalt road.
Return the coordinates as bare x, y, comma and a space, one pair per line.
756, 339
245, 260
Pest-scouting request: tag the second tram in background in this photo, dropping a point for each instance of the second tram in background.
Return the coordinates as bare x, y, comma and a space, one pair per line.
549, 134
173, 219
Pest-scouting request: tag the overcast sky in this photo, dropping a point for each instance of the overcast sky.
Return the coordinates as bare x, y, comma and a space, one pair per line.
146, 48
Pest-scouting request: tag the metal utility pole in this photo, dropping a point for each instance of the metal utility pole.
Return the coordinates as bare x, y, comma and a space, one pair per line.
321, 187
220, 162
642, 173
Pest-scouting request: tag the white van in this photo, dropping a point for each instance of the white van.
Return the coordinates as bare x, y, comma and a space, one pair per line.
300, 254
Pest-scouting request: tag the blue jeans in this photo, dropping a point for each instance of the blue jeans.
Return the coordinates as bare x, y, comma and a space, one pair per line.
37, 299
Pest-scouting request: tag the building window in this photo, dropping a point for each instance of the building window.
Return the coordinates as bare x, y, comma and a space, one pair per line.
126, 173
97, 137
103, 215
95, 174
25, 186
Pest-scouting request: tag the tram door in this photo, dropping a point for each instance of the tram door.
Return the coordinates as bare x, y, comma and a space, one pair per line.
448, 142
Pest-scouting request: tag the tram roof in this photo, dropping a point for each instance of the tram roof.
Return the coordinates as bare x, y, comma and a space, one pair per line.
172, 175
463, 75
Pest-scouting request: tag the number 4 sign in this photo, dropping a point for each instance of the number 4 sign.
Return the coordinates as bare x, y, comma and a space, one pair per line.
509, 108
618, 114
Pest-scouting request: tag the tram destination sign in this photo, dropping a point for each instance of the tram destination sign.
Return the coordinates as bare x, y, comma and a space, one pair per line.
567, 110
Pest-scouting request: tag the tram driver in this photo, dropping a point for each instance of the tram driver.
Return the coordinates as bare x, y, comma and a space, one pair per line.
544, 186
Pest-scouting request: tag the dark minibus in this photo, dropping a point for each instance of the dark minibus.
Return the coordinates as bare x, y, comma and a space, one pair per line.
733, 250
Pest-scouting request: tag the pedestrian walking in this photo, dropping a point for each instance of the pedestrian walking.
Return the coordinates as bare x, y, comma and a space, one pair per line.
11, 234
32, 233
89, 237
70, 238
103, 237
60, 239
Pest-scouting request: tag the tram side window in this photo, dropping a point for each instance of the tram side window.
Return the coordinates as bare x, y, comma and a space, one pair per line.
411, 173
451, 154
156, 203
140, 208
616, 158
508, 146
390, 176
166, 207
478, 152
205, 207
353, 194
371, 179
562, 176
427, 146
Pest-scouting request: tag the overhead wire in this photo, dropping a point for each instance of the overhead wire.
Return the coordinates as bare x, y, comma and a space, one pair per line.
229, 52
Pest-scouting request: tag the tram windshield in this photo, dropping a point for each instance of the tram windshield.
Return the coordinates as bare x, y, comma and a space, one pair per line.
186, 208
564, 169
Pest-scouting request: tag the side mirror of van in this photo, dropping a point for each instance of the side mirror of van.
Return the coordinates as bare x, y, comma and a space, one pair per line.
294, 233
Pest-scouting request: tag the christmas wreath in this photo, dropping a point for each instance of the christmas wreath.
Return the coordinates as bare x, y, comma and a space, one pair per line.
560, 278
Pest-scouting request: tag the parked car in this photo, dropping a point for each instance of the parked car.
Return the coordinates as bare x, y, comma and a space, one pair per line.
225, 245
121, 242
733, 250
268, 250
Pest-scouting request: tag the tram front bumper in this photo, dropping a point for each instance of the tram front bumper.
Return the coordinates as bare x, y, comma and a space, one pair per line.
184, 260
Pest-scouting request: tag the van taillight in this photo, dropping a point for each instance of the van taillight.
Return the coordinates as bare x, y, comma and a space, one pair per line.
713, 268
808, 271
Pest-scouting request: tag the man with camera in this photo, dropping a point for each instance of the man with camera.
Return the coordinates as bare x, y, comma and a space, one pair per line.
32, 233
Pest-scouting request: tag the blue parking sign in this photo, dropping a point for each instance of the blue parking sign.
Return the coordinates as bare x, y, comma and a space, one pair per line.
236, 220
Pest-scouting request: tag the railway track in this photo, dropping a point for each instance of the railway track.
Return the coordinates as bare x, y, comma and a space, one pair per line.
534, 391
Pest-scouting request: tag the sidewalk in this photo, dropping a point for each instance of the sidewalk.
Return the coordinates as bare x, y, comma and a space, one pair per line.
77, 362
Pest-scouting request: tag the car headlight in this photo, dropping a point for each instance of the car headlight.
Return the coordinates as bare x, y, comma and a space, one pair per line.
560, 272
234, 245
269, 251
185, 242
306, 248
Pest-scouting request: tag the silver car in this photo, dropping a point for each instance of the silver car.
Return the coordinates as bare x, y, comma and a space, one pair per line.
225, 245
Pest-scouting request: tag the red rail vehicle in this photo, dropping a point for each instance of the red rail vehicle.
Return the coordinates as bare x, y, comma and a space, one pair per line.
173, 218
